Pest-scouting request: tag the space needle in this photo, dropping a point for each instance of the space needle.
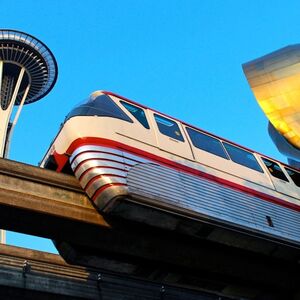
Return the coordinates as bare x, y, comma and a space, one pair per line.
28, 72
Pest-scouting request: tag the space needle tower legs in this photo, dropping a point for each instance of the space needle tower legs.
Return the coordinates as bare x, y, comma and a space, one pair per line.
6, 127
28, 71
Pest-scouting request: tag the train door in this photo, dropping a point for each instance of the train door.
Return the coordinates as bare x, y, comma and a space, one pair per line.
279, 178
170, 136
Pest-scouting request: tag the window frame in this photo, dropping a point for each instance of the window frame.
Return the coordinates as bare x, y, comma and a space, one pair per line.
283, 178
176, 137
217, 141
146, 125
233, 158
288, 169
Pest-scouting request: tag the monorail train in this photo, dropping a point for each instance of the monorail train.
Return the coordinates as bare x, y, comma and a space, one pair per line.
131, 159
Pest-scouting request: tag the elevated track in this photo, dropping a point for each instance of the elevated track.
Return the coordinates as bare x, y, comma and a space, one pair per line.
29, 274
44, 203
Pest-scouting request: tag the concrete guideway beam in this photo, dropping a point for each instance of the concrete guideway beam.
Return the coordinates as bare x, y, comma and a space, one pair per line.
42, 191
40, 275
52, 205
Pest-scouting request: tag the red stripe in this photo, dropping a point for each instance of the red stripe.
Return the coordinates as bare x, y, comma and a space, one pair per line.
61, 161
89, 169
100, 159
102, 167
97, 177
179, 167
103, 188
94, 151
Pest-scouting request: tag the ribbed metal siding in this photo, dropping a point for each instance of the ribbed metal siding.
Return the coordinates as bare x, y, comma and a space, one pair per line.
202, 197
96, 167
213, 200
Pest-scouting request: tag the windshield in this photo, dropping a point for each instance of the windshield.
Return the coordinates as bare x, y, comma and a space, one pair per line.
102, 106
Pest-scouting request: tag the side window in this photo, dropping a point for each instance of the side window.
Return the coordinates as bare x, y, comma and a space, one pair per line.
207, 143
137, 112
168, 127
274, 169
242, 157
294, 175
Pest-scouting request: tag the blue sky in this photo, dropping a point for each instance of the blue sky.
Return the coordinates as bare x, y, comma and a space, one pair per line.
180, 57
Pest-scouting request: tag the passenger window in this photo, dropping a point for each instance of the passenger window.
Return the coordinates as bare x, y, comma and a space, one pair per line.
242, 157
137, 112
274, 169
168, 127
207, 143
294, 175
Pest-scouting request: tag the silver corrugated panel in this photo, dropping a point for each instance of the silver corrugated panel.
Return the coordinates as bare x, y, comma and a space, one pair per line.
214, 200
97, 167
91, 148
90, 164
95, 185
186, 193
100, 157
95, 172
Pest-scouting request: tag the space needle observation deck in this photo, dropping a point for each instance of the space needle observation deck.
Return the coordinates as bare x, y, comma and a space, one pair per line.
28, 72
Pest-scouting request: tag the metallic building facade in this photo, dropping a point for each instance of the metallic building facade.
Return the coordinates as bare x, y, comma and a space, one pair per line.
275, 82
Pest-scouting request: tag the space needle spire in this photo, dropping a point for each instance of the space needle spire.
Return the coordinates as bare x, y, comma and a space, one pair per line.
28, 71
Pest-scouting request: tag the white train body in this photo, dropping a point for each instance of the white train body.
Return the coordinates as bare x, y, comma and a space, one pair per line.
126, 155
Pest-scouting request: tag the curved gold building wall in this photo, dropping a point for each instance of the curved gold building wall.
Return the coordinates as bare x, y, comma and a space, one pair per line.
275, 82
